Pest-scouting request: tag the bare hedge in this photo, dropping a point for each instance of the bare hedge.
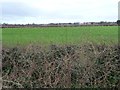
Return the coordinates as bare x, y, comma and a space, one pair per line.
68, 66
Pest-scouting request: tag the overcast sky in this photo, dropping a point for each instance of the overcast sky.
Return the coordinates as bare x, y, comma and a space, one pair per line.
56, 11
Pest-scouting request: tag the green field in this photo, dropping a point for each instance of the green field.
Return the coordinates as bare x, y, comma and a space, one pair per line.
60, 35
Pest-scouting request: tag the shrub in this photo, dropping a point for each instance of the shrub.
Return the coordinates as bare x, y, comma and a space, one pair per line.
71, 66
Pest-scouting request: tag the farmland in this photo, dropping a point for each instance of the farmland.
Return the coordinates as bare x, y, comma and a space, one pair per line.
75, 57
60, 35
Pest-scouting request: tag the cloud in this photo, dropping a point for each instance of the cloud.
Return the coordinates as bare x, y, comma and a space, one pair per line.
18, 9
41, 11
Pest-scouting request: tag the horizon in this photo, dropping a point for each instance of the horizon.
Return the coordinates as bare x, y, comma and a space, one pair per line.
62, 22
60, 11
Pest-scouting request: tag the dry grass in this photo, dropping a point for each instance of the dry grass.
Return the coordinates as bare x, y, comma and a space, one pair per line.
71, 66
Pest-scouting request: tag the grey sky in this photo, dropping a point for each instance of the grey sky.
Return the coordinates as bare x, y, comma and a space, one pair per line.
119, 10
55, 11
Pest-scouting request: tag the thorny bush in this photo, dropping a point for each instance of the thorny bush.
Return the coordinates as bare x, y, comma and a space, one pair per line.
69, 66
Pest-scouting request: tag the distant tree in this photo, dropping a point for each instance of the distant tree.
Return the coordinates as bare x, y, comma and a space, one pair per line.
118, 22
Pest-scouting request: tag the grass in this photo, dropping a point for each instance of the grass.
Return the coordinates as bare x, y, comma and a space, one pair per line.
60, 35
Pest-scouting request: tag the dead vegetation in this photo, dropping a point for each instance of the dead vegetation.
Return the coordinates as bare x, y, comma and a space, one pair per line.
70, 66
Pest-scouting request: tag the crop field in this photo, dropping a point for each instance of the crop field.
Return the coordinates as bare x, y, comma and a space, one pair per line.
60, 35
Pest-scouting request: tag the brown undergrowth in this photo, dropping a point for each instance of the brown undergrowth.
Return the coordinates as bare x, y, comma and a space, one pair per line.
69, 66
